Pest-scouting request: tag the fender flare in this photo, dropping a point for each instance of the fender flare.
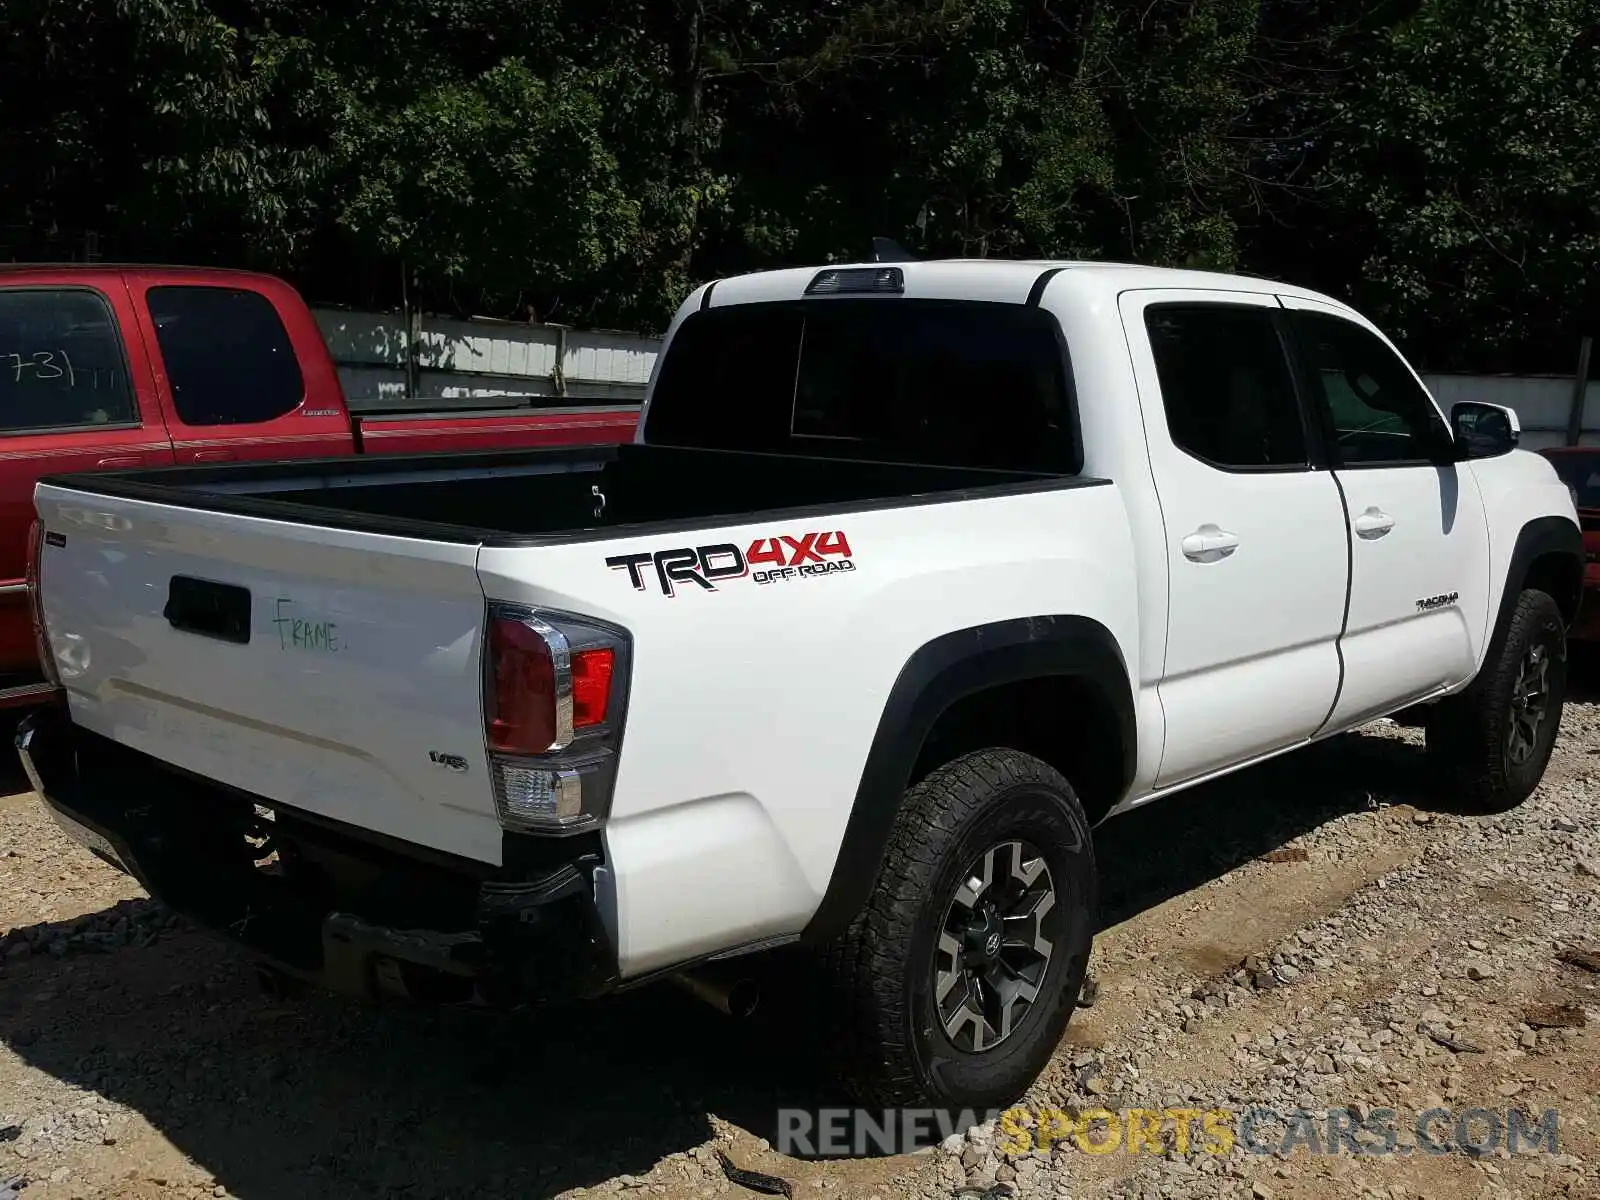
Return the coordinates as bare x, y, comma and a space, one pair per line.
1539, 537
935, 677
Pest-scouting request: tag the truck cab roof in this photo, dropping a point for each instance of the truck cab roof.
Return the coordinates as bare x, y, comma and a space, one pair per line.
83, 268
1000, 280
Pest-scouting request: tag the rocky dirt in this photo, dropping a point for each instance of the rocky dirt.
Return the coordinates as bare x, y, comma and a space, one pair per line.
1319, 933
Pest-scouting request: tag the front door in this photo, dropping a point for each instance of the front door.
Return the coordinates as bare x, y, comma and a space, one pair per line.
1419, 542
1255, 533
71, 399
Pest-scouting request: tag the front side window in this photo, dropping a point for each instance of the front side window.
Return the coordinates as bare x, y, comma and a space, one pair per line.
945, 383
1374, 408
1226, 385
61, 362
228, 358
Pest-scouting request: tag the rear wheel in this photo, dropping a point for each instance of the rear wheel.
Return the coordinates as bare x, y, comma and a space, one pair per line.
955, 984
1492, 742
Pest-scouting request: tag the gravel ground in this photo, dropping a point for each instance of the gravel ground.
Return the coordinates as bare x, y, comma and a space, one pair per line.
1317, 933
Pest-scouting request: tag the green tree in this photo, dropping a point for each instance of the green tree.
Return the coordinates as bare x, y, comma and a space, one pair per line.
1464, 171
1435, 160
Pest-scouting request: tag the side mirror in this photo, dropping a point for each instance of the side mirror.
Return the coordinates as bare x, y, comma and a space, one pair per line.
1484, 430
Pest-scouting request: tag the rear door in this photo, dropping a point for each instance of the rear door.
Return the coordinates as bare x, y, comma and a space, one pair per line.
1419, 540
1257, 553
71, 399
241, 369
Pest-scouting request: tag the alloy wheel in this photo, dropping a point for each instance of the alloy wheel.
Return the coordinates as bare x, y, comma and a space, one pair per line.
994, 946
1530, 704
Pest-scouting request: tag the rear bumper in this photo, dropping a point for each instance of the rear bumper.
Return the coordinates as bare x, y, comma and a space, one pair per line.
338, 908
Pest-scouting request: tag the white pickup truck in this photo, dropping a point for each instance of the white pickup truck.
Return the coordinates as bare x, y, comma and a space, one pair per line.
915, 573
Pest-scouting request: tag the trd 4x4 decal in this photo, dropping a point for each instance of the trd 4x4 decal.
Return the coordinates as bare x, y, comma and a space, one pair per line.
765, 560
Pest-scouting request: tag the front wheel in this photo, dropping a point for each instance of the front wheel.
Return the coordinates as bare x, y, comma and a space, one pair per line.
1492, 742
955, 985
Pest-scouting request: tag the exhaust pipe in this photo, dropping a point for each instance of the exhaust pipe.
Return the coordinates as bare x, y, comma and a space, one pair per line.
733, 995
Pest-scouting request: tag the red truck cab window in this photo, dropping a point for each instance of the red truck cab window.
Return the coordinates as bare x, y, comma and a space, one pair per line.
240, 367
61, 363
228, 357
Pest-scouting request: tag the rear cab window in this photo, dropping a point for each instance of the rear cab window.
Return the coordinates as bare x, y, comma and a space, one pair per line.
228, 358
62, 365
943, 383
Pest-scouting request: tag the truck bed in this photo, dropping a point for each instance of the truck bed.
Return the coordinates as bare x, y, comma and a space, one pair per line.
311, 633
550, 494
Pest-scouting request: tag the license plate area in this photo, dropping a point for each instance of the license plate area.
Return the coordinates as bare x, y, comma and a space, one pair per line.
209, 609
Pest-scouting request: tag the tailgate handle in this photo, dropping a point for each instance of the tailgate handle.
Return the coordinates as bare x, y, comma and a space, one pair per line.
209, 609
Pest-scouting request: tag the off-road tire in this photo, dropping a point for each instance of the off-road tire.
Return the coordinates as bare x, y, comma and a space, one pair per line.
1470, 733
889, 1043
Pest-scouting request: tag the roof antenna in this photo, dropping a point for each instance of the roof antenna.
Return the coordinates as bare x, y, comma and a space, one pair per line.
886, 250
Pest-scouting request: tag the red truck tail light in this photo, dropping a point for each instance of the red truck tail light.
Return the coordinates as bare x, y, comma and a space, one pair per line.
47, 660
591, 685
522, 702
552, 702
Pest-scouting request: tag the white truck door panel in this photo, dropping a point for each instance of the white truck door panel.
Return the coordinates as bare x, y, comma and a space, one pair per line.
1419, 542
1256, 545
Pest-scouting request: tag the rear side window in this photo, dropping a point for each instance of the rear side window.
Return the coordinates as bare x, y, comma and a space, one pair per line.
945, 383
61, 362
228, 357
1226, 385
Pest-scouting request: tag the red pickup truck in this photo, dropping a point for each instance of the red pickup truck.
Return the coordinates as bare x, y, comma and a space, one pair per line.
116, 367
1579, 468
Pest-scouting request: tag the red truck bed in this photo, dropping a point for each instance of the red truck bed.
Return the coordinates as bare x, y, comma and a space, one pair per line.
106, 367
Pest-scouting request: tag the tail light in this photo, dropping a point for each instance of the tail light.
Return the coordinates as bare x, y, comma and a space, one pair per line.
41, 642
554, 691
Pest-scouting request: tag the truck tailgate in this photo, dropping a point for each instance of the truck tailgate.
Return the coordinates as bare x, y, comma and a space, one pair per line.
336, 672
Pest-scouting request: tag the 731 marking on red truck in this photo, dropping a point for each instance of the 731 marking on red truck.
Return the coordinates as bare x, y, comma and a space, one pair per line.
765, 560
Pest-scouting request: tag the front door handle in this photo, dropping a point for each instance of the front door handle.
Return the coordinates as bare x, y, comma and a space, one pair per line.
214, 456
121, 460
1209, 544
1373, 523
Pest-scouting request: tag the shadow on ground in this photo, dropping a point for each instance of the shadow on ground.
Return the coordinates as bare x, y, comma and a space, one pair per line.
1175, 845
321, 1098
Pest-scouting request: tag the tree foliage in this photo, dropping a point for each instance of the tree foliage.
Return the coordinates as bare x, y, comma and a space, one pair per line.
1436, 160
1465, 159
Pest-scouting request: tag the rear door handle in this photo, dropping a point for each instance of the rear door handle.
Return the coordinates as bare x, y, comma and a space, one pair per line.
1209, 544
1373, 523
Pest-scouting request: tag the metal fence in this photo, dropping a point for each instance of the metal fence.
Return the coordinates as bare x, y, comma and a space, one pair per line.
387, 361
1545, 404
